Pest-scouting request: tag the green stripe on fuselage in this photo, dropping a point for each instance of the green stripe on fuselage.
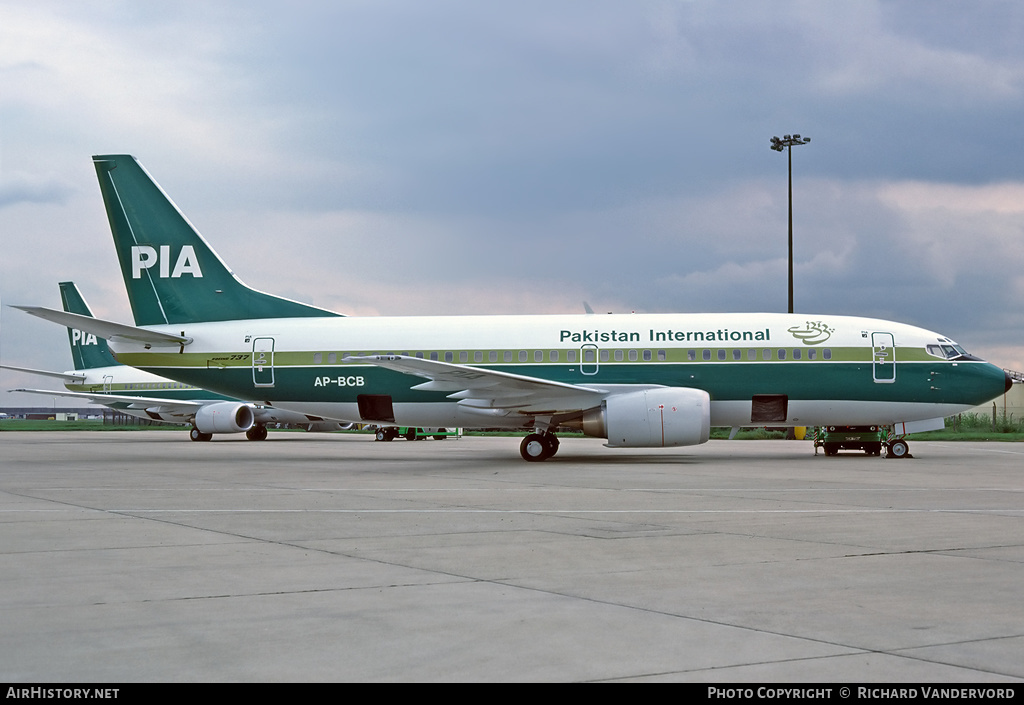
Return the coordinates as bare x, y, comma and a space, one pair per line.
934, 381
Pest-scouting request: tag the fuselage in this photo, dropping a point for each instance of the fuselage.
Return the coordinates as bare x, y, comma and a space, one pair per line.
824, 369
128, 381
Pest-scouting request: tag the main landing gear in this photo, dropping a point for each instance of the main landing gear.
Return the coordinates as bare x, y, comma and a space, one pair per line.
538, 446
257, 433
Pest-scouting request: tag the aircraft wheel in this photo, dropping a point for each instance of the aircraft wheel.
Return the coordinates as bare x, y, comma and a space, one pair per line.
898, 449
535, 448
257, 433
552, 442
196, 435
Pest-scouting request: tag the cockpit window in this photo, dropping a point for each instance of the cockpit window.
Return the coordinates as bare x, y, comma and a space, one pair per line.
949, 351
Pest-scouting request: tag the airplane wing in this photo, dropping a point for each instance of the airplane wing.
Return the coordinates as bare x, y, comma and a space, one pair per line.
171, 407
106, 329
486, 389
64, 376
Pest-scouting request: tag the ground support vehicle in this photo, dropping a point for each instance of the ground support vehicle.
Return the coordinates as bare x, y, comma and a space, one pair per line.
410, 433
832, 439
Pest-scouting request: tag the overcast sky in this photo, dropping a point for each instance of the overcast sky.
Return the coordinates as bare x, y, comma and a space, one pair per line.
446, 157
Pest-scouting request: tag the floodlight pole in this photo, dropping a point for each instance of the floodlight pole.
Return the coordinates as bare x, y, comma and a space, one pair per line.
788, 142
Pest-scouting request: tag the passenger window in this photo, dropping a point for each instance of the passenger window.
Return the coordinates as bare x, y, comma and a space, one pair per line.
433, 356
604, 356
523, 356
332, 358
570, 356
647, 356
463, 357
766, 354
827, 353
492, 356
796, 354
706, 354
618, 356
721, 354
449, 357
691, 354
538, 356
318, 358
662, 356
782, 354
632, 355
508, 356
478, 356
553, 356
751, 354
737, 354
812, 354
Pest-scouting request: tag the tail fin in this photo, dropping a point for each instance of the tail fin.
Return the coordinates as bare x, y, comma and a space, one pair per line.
87, 350
171, 273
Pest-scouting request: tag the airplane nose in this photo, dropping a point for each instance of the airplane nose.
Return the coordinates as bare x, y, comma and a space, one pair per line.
1009, 381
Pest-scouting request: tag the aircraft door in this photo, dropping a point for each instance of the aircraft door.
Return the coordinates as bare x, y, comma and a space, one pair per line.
883, 357
108, 381
263, 362
588, 360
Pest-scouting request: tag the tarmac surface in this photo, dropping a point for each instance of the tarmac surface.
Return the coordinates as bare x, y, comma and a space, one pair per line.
145, 557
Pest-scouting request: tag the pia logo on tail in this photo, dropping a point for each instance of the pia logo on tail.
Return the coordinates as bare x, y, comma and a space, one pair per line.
147, 257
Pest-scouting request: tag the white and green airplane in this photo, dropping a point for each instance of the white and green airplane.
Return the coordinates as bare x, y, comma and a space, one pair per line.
100, 379
637, 380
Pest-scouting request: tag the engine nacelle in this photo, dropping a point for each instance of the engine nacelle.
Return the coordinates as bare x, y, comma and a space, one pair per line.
328, 426
662, 417
225, 417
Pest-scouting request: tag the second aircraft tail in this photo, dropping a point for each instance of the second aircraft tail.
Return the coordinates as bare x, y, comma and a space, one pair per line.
87, 350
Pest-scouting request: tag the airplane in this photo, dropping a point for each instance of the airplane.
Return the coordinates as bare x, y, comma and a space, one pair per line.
637, 380
99, 378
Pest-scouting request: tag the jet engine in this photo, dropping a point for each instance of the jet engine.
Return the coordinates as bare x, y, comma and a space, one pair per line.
224, 417
660, 417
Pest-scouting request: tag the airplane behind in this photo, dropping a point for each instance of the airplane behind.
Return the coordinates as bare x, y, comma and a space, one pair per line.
99, 378
637, 380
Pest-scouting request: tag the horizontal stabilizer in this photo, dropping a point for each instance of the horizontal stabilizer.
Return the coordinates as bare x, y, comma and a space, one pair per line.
107, 329
65, 376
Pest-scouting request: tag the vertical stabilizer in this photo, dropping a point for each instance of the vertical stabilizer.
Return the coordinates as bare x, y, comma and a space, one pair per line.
171, 273
87, 350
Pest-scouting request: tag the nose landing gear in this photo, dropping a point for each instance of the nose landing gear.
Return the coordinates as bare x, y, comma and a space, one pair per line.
897, 449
